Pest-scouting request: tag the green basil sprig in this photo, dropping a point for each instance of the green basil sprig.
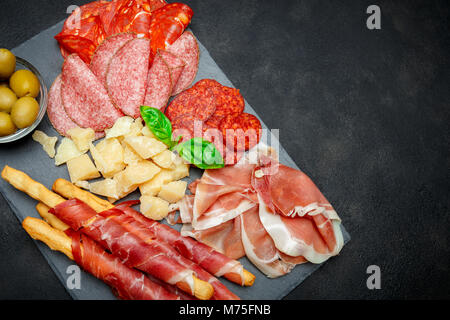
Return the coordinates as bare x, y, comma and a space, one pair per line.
201, 153
197, 151
158, 124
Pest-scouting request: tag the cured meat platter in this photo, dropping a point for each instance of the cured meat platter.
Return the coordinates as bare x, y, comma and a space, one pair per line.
26, 155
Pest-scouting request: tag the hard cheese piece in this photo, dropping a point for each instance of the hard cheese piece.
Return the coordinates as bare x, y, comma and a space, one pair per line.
82, 137
129, 155
140, 172
164, 159
106, 187
173, 191
111, 152
146, 132
153, 207
144, 146
66, 150
82, 168
48, 143
120, 128
153, 186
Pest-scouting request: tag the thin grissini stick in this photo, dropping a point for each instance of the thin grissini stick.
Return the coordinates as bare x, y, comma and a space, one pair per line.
34, 189
23, 182
70, 191
54, 238
131, 249
51, 219
128, 283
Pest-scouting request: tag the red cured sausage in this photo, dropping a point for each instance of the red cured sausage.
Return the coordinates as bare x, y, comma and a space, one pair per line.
129, 16
241, 132
105, 51
84, 97
126, 283
186, 48
126, 78
168, 24
176, 65
159, 84
197, 100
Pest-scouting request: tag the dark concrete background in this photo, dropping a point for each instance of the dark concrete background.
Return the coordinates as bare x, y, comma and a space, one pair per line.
364, 113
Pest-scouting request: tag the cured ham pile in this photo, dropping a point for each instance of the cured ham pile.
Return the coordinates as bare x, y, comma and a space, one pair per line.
273, 214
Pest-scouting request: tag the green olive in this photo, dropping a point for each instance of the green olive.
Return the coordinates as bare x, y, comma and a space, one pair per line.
7, 63
7, 99
24, 83
7, 127
24, 112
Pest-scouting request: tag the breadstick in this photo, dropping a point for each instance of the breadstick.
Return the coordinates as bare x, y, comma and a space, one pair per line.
54, 238
34, 189
51, 219
70, 191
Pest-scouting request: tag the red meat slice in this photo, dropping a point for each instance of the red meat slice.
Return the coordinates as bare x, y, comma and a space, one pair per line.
241, 132
105, 51
176, 65
126, 78
159, 84
186, 48
84, 98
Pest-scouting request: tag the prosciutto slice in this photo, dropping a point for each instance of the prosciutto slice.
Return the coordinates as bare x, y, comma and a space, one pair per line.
126, 283
206, 257
132, 250
297, 216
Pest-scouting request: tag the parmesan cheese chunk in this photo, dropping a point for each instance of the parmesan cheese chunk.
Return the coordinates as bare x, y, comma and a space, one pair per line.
140, 172
173, 191
111, 152
82, 137
153, 186
66, 150
164, 159
107, 188
144, 146
121, 127
82, 168
153, 207
48, 143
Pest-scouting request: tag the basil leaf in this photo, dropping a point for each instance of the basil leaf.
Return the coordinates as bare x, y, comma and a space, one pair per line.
201, 153
158, 124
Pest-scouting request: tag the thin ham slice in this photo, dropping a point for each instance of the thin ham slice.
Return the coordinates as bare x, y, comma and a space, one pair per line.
295, 213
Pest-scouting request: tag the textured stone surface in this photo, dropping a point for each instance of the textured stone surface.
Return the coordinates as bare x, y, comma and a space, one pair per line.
364, 113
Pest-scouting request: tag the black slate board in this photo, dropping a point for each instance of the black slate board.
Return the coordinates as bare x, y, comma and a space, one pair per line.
43, 52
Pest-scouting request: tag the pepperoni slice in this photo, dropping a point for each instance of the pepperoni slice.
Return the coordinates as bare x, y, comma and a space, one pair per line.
129, 16
241, 132
159, 84
84, 97
105, 51
126, 78
198, 101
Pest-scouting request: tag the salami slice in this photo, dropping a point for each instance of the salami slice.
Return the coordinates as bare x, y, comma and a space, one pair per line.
176, 65
159, 84
241, 132
56, 113
198, 101
105, 51
186, 48
84, 98
126, 78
